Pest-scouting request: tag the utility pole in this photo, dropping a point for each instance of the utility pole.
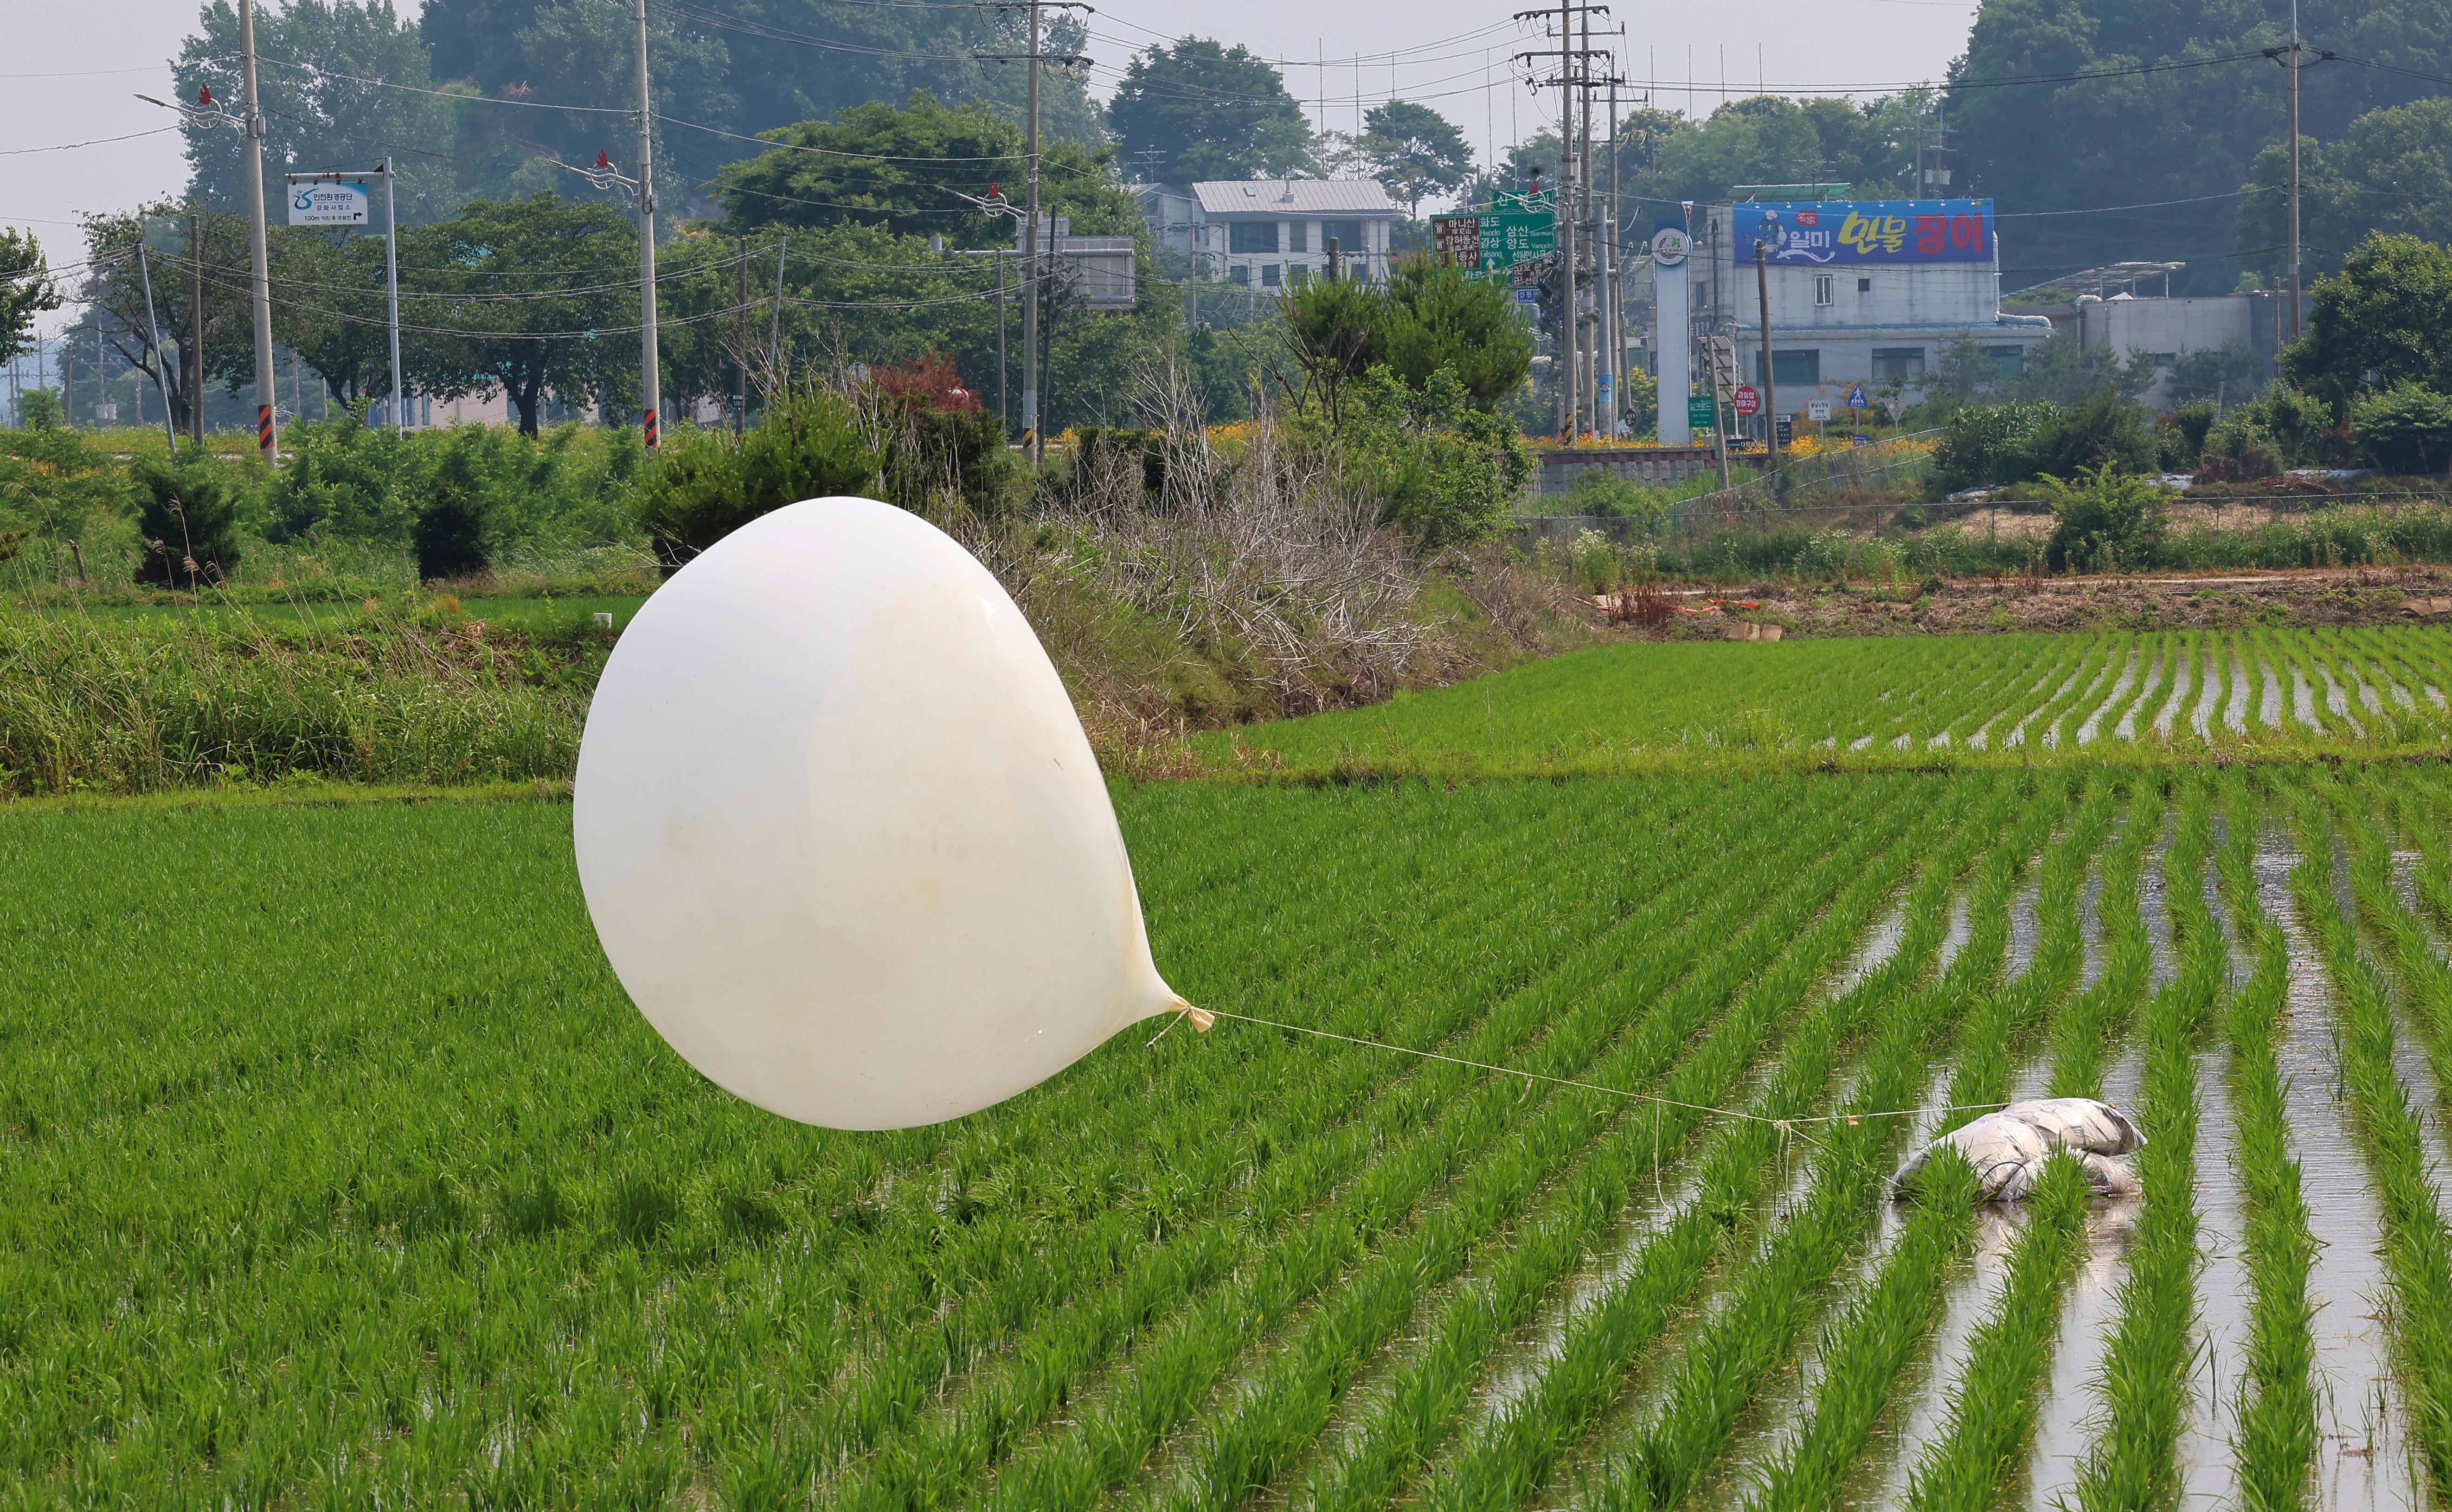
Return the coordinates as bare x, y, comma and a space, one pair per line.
775, 331
194, 367
1570, 377
259, 263
1032, 282
1770, 395
391, 283
1004, 410
2294, 171
740, 352
650, 392
153, 340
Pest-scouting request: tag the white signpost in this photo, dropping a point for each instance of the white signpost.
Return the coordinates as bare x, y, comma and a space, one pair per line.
1670, 248
341, 199
1818, 409
325, 200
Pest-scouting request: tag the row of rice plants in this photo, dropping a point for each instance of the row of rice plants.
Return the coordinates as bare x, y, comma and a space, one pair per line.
1767, 1309
1416, 1407
2274, 1439
2038, 676
977, 1427
1109, 1438
1995, 1409
967, 1430
1584, 1370
2144, 1388
430, 1200
2417, 1246
1867, 1349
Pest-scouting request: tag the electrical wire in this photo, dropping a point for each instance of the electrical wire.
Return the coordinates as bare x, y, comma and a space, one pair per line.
71, 147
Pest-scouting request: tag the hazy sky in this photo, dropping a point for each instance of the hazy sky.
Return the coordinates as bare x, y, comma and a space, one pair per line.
74, 64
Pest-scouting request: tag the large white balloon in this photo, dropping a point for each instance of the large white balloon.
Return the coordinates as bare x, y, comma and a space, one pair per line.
843, 835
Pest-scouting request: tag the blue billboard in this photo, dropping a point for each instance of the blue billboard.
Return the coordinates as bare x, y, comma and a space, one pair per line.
1836, 231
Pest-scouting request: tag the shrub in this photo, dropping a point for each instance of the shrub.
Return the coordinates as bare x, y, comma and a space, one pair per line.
2108, 519
2407, 429
938, 444
450, 535
2238, 452
1605, 495
1442, 471
2180, 438
188, 519
706, 484
1990, 443
2104, 431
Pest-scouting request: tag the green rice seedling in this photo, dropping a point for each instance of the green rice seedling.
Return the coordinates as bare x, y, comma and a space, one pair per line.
1170, 1378
2143, 1386
2086, 1030
2417, 1243
1515, 1450
1579, 1008
1992, 1417
2274, 1439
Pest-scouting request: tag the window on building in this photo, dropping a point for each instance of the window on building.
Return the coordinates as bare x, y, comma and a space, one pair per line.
1252, 236
1898, 361
1242, 274
2165, 359
1791, 369
1822, 289
1297, 274
1269, 274
2009, 359
1864, 286
1349, 236
1297, 236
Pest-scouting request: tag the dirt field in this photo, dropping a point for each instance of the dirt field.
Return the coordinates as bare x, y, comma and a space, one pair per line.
1982, 606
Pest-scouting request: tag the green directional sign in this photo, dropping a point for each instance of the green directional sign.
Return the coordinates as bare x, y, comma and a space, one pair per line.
1489, 245
1700, 413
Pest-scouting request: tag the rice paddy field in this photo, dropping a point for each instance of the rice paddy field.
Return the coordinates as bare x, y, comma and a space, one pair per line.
337, 1172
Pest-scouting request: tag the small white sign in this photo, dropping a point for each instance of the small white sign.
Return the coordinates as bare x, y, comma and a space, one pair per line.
327, 202
1670, 246
1818, 409
106, 411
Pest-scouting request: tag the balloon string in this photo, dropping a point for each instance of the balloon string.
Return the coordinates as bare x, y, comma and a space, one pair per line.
1594, 1087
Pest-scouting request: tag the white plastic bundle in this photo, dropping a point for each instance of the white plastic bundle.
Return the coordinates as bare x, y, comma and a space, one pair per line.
2008, 1148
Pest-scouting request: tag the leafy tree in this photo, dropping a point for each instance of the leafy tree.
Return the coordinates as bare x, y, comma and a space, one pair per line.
2069, 142
2407, 428
2383, 320
2058, 369
1414, 153
317, 113
1434, 319
450, 535
2230, 374
186, 518
26, 289
517, 291
1990, 443
329, 307
1196, 110
2106, 520
1336, 330
2107, 431
115, 286
2390, 172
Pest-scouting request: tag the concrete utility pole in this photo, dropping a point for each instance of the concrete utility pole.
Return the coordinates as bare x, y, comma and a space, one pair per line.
153, 339
258, 263
1031, 283
1770, 395
651, 394
194, 365
1564, 204
741, 353
391, 285
2294, 172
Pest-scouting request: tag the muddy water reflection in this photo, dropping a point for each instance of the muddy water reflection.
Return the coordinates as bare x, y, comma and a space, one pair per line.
2363, 1458
2088, 1317
2208, 1471
1927, 1395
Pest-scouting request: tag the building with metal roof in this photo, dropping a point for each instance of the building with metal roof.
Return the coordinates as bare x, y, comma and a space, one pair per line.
1270, 234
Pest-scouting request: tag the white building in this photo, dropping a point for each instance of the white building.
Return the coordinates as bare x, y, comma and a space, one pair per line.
2162, 331
1270, 234
1841, 315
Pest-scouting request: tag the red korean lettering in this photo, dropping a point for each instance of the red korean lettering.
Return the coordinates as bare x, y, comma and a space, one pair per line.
1931, 233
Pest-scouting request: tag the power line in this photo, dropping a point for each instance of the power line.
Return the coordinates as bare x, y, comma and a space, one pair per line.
71, 147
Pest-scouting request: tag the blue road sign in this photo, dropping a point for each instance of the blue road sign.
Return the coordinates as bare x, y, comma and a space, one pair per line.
1856, 397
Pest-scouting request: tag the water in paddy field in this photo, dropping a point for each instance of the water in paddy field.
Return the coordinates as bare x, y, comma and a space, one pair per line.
1920, 1408
2092, 725
2088, 1313
2270, 711
2052, 732
1875, 948
1961, 929
2024, 927
2127, 728
2090, 917
2364, 1454
2209, 1468
2150, 900
2183, 671
2337, 703
2235, 714
2209, 697
2017, 734
2302, 700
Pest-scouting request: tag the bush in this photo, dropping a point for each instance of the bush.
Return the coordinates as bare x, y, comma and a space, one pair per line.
2238, 452
2180, 440
2406, 429
1604, 495
706, 484
939, 444
1442, 471
2108, 519
188, 519
450, 535
2107, 431
1990, 443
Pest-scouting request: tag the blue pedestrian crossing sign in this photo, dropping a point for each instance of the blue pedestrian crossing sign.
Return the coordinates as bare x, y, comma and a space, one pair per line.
1856, 397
